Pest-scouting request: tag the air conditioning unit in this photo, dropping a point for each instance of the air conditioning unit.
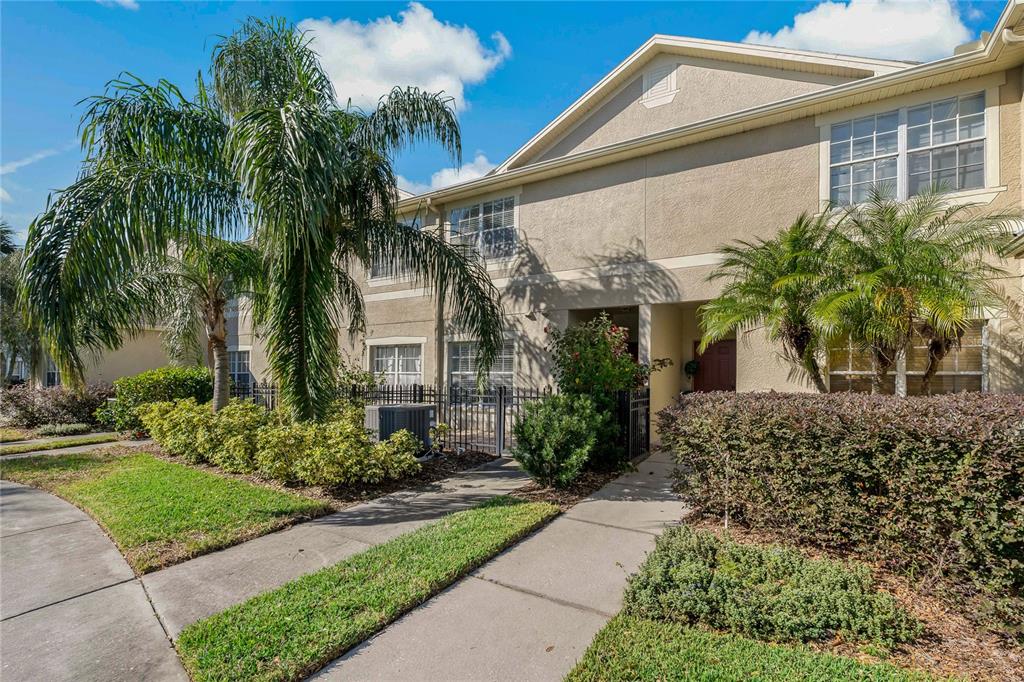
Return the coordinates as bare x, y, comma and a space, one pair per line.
384, 420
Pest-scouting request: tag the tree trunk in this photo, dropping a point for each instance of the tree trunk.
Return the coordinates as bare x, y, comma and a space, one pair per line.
937, 350
880, 363
815, 371
217, 344
802, 344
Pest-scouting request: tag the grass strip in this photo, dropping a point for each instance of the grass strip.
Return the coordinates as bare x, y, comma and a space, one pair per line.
290, 632
32, 446
638, 649
159, 512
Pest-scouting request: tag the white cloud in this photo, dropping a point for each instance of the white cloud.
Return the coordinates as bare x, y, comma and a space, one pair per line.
477, 168
123, 4
920, 30
12, 166
5, 197
367, 60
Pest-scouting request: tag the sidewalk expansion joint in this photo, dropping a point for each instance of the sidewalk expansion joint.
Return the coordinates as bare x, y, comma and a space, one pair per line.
652, 533
67, 599
541, 595
33, 530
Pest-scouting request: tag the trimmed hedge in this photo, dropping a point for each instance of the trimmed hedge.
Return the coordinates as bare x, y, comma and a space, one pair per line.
931, 486
63, 429
27, 407
245, 438
155, 385
555, 436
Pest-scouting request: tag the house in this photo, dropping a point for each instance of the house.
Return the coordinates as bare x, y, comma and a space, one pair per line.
621, 203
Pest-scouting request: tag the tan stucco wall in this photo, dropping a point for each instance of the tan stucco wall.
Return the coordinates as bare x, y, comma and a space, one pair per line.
136, 355
706, 88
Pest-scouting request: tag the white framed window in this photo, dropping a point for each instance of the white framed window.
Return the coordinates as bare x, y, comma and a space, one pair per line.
936, 145
238, 368
489, 227
52, 377
390, 268
946, 145
462, 365
399, 365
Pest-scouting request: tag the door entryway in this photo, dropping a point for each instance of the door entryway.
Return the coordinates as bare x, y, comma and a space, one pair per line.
716, 370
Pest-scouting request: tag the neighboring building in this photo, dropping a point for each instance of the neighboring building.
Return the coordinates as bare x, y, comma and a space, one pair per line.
136, 355
621, 203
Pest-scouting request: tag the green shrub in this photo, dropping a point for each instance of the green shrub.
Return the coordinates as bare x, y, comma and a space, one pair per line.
278, 448
183, 428
764, 592
931, 486
231, 443
396, 456
155, 385
27, 406
63, 429
554, 437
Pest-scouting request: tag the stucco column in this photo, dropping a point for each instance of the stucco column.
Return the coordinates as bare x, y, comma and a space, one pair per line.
643, 334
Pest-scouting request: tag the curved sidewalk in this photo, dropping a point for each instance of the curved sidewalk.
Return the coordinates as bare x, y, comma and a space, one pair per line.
70, 607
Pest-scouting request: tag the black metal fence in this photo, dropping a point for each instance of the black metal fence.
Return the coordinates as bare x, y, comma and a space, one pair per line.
479, 420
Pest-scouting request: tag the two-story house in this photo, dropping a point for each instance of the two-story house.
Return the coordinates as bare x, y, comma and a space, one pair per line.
621, 203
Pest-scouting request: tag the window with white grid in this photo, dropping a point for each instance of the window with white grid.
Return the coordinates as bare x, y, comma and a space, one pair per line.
392, 268
52, 373
489, 227
397, 365
462, 365
238, 368
943, 150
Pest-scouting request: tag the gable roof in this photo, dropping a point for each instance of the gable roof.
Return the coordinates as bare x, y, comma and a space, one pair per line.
741, 53
998, 51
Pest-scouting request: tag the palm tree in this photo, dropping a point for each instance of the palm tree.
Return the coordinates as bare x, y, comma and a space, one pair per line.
912, 267
773, 283
267, 154
7, 246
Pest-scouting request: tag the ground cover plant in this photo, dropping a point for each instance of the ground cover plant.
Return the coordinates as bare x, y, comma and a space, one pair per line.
245, 438
930, 486
766, 592
160, 512
63, 429
34, 446
288, 633
630, 648
155, 385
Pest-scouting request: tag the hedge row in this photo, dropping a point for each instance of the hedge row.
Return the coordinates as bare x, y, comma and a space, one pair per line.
28, 407
155, 385
245, 438
932, 486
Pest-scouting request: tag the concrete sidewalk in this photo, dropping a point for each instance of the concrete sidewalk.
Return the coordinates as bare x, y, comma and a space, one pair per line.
70, 607
77, 448
530, 613
187, 592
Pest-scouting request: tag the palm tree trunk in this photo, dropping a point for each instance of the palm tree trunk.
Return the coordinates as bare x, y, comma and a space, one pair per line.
937, 350
216, 334
880, 363
814, 369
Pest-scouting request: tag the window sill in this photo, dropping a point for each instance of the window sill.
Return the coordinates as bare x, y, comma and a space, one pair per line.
373, 282
982, 195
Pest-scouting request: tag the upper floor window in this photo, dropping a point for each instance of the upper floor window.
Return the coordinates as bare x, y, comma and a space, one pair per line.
489, 227
397, 365
944, 151
52, 377
392, 268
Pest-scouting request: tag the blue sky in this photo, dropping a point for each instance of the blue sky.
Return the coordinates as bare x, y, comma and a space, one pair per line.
512, 66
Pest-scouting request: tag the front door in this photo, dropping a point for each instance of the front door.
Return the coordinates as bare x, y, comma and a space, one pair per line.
716, 370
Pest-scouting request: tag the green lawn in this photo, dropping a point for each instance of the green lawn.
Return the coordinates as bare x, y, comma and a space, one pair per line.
160, 512
638, 649
294, 630
33, 446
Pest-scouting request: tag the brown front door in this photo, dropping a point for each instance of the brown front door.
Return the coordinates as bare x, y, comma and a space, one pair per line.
717, 368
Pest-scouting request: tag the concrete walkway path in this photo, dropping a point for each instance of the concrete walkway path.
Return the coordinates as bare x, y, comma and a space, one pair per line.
187, 592
530, 613
77, 448
70, 607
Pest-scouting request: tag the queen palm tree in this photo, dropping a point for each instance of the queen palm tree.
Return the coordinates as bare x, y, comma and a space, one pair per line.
773, 284
919, 266
269, 154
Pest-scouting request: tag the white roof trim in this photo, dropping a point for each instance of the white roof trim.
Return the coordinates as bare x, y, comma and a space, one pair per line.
784, 58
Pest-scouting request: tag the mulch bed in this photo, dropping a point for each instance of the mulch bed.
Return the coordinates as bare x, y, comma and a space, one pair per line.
951, 645
582, 488
340, 498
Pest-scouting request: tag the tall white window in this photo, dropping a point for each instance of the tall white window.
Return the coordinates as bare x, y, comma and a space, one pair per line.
397, 365
392, 268
946, 143
462, 365
238, 368
52, 373
944, 150
489, 227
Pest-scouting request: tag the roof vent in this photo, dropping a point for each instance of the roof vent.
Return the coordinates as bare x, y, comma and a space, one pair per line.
972, 45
